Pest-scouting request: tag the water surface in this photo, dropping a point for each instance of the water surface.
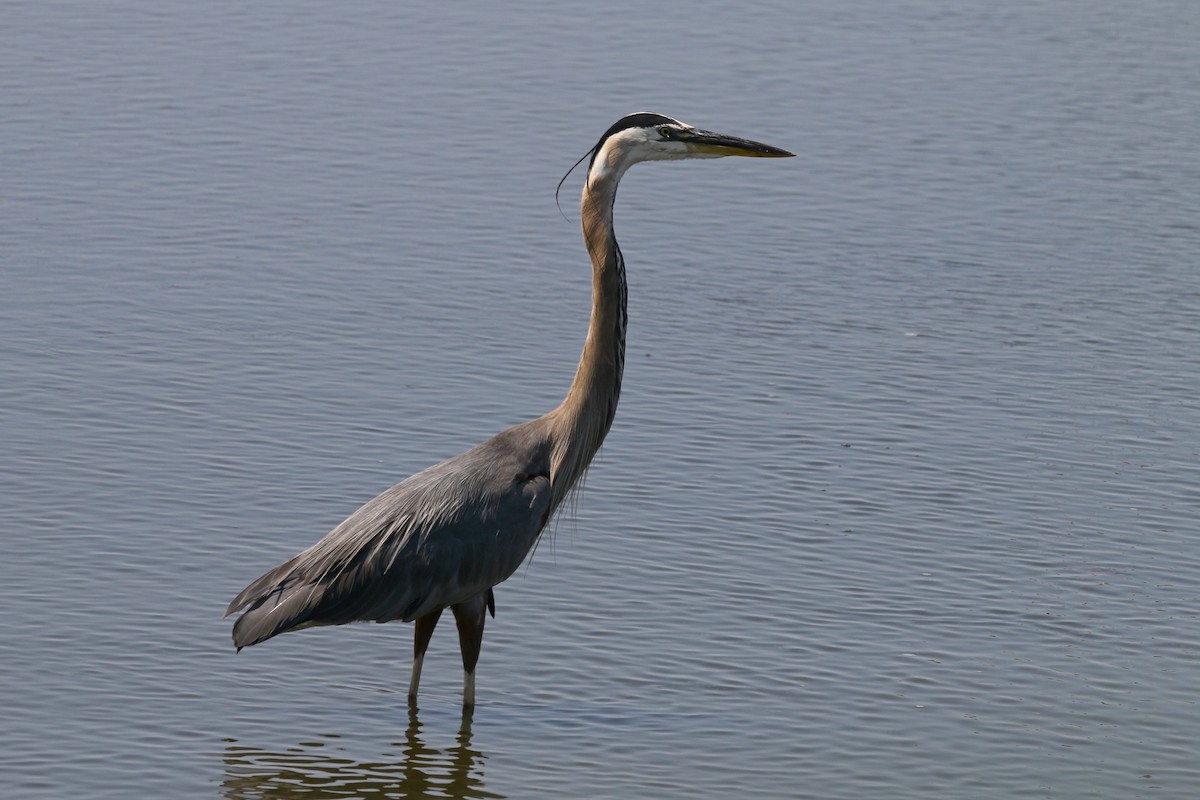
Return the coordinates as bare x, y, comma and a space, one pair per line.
901, 498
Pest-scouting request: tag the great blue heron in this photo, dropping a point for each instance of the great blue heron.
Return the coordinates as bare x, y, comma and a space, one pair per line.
447, 535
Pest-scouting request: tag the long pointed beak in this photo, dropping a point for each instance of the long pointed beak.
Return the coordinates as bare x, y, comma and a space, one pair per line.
718, 144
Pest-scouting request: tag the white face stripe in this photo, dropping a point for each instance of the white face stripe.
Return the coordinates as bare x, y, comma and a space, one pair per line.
626, 148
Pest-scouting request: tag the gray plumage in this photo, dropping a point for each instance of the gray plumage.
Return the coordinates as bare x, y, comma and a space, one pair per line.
439, 538
446, 536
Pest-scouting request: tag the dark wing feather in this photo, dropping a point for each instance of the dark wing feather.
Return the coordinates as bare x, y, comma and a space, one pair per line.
439, 538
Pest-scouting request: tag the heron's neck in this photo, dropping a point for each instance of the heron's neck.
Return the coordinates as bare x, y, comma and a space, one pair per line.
584, 417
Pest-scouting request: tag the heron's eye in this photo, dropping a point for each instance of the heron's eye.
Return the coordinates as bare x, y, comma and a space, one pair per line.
665, 132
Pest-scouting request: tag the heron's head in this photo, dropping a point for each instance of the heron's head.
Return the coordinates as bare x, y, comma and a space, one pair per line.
646, 136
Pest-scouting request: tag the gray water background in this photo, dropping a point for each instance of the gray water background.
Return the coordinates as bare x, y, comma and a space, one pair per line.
901, 500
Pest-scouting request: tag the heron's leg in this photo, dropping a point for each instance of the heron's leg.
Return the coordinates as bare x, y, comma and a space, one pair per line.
424, 631
470, 616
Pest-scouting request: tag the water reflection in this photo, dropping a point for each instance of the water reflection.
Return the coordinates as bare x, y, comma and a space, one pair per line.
312, 771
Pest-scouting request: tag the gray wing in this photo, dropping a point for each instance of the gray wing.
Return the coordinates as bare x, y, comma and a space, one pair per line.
442, 536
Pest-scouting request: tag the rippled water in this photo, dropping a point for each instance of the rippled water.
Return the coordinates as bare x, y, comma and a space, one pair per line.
901, 499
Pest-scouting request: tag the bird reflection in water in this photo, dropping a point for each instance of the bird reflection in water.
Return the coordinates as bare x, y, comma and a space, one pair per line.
414, 770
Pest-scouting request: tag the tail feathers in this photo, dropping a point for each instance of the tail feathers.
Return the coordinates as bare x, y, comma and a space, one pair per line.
279, 601
278, 611
263, 585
